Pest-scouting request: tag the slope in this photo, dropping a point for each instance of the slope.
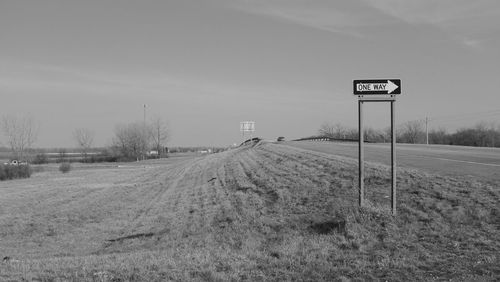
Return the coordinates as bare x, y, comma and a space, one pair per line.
259, 212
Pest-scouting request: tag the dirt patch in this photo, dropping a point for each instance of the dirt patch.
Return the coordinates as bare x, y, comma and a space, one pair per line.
330, 226
134, 236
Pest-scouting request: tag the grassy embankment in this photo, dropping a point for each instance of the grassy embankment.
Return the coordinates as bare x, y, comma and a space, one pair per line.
265, 213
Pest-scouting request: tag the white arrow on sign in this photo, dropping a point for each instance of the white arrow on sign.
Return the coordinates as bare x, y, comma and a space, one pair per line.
389, 86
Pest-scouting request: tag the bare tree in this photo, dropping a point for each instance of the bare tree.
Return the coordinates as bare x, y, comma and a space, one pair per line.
84, 138
374, 135
412, 132
486, 133
130, 140
352, 133
386, 134
333, 130
326, 129
439, 136
21, 133
159, 134
338, 131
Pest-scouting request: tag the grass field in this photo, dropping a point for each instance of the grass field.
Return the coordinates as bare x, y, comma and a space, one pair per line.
256, 213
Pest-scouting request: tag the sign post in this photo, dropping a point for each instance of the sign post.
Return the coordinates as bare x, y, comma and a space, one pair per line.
377, 90
361, 153
393, 157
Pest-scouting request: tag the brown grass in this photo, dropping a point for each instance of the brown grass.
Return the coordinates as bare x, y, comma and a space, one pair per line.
267, 212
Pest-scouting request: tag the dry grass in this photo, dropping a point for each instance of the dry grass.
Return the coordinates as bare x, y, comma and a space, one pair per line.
264, 213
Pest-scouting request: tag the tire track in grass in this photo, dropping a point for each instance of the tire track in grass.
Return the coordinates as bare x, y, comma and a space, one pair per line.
296, 192
155, 195
377, 176
190, 213
317, 178
151, 219
276, 181
251, 193
236, 224
317, 160
178, 211
263, 184
224, 212
198, 211
312, 193
210, 207
261, 175
243, 202
236, 182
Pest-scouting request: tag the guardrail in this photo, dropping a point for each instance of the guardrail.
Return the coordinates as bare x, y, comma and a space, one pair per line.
325, 138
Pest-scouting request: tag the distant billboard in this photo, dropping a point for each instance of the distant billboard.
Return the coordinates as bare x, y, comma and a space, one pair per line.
247, 126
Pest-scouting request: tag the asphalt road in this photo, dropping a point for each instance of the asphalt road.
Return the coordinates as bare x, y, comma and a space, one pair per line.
480, 163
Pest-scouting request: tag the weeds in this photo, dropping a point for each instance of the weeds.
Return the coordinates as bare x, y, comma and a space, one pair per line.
8, 172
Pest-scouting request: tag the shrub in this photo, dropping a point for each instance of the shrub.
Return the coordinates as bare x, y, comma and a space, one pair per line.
8, 172
102, 158
65, 167
3, 173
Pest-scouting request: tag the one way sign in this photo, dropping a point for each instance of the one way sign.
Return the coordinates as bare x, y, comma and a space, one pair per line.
377, 86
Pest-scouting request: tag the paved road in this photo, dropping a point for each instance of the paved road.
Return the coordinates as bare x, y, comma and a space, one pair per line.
481, 163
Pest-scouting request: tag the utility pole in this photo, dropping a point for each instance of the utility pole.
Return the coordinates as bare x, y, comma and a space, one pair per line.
427, 130
144, 131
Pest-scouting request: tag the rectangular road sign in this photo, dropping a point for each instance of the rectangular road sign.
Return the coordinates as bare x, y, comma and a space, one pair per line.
377, 86
247, 126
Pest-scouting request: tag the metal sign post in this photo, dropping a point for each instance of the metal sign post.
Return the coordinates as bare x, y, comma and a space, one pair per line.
393, 156
377, 87
361, 152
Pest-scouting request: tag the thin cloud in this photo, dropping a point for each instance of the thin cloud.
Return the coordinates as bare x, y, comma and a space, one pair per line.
31, 76
472, 43
435, 11
346, 18
469, 23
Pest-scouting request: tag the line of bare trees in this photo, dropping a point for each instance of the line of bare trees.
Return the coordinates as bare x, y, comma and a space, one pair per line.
482, 134
340, 132
131, 141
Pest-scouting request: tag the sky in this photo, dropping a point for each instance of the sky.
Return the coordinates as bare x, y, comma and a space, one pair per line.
204, 66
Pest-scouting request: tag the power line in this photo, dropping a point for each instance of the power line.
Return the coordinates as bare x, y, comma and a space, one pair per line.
457, 117
465, 115
452, 118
